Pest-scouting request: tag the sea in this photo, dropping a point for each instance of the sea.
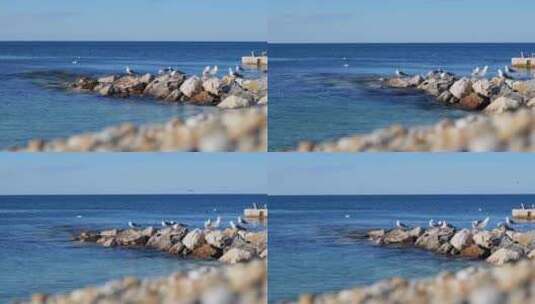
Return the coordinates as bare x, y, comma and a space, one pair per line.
37, 253
326, 91
313, 248
35, 104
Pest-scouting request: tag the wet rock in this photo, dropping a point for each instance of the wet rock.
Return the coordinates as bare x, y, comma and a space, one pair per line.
446, 97
234, 102
178, 249
483, 239
205, 251
474, 251
398, 82
473, 102
202, 98
398, 236
461, 88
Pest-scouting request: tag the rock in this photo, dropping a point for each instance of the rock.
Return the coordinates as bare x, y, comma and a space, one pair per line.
502, 104
524, 87
109, 233
446, 97
435, 86
526, 239
177, 249
484, 88
85, 83
194, 239
473, 102
217, 239
212, 85
206, 251
234, 102
398, 236
107, 79
191, 86
461, 88
128, 85
264, 100
415, 81
462, 239
174, 96
531, 254
131, 237
433, 238
88, 237
375, 234
149, 231
446, 249
398, 82
147, 78
202, 98
158, 88
473, 251
483, 239
110, 242
106, 90
166, 238
416, 232
531, 103
236, 255
503, 256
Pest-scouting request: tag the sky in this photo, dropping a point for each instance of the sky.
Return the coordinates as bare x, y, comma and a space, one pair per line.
401, 21
401, 173
134, 20
132, 173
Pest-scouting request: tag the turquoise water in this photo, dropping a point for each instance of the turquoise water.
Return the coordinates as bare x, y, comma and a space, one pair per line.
309, 251
37, 254
32, 105
314, 97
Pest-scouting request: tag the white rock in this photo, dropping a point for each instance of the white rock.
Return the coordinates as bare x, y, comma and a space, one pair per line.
503, 104
234, 102
462, 239
191, 86
212, 85
461, 88
193, 239
236, 255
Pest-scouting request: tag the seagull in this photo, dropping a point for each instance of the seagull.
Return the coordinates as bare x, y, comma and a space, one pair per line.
208, 224
242, 221
129, 71
401, 74
177, 226
79, 216
133, 225
444, 225
238, 68
234, 73
401, 225
509, 69
480, 224
476, 71
217, 222
503, 74
433, 224
173, 73
509, 221
484, 71
213, 71
236, 226
160, 72
522, 206
75, 62
504, 226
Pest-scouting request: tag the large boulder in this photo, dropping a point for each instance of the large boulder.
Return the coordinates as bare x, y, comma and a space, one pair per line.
483, 239
473, 102
504, 255
461, 88
503, 104
131, 237
234, 102
237, 255
399, 82
524, 87
129, 85
526, 239
107, 79
399, 236
191, 86
484, 87
202, 98
462, 239
166, 238
194, 239
474, 251
217, 239
206, 251
212, 85
435, 86
433, 238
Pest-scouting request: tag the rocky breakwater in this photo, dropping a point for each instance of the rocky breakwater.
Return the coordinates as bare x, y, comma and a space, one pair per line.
242, 130
497, 246
229, 246
229, 92
495, 95
512, 283
229, 284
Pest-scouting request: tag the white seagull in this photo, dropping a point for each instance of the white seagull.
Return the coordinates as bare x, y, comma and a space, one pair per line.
503, 74
217, 222
242, 221
133, 225
208, 224
168, 223
504, 226
401, 225
433, 224
480, 224
445, 224
213, 71
236, 226
129, 71
476, 71
401, 74
509, 221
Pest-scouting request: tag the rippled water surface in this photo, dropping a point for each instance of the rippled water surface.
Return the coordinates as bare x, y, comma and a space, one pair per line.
310, 250
37, 254
32, 105
313, 96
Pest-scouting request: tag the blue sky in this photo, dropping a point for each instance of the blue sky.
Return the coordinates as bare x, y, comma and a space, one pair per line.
401, 173
401, 21
132, 173
134, 20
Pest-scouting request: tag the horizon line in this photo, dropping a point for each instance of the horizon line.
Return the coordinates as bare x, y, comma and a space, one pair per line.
107, 40
264, 194
131, 194
409, 42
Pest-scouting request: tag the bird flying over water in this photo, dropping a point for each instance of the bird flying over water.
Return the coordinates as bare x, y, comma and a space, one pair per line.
480, 224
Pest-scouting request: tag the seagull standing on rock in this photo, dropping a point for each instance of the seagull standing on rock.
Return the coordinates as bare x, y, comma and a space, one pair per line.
129, 71
433, 224
401, 74
504, 226
236, 226
213, 71
480, 224
168, 223
509, 221
242, 221
133, 225
400, 225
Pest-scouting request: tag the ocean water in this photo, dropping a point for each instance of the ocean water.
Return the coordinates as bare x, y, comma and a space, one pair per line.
37, 254
314, 97
310, 251
32, 104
